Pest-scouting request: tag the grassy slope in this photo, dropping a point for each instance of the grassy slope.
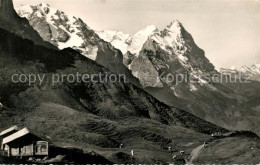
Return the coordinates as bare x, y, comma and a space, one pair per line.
232, 106
239, 150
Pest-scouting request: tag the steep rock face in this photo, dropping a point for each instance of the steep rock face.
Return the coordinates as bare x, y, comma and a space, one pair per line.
172, 51
181, 43
65, 30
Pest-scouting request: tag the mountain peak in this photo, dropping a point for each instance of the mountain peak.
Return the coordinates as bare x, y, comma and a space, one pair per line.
256, 66
175, 26
148, 29
151, 27
44, 4
233, 68
45, 8
175, 21
7, 11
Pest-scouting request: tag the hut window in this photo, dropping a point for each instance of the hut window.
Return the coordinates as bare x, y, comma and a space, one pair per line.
44, 148
23, 150
37, 149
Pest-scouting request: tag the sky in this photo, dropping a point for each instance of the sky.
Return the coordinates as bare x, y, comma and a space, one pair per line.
227, 30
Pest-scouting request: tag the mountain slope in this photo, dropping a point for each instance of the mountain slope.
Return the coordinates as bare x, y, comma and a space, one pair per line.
7, 10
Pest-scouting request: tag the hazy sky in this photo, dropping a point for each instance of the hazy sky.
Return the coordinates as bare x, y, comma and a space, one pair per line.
228, 30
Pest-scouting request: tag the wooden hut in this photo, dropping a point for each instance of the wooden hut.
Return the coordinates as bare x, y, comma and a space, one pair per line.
24, 143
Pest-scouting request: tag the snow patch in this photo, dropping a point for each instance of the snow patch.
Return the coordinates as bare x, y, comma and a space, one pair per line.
24, 11
92, 53
175, 27
126, 42
175, 92
192, 87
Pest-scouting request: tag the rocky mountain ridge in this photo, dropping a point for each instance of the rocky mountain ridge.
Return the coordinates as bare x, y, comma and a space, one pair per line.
59, 28
65, 30
130, 45
245, 72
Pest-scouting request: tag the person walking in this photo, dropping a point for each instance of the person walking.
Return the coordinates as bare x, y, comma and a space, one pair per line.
132, 153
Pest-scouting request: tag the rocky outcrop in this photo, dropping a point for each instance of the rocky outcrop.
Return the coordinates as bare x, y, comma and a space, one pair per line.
62, 35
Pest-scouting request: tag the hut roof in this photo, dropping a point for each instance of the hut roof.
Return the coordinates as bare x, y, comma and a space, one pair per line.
13, 128
16, 135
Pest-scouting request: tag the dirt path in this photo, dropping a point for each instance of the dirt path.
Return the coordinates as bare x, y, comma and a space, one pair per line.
194, 153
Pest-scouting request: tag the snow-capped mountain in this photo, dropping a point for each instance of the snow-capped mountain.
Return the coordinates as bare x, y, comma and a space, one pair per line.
116, 38
176, 46
246, 72
60, 29
130, 45
64, 30
170, 51
127, 42
254, 69
173, 41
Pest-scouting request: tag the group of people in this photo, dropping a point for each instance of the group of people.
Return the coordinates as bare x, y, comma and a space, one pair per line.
132, 151
169, 150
